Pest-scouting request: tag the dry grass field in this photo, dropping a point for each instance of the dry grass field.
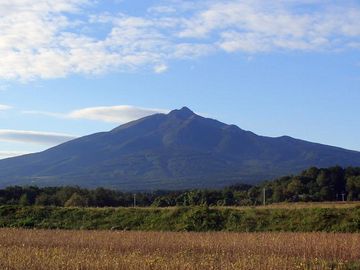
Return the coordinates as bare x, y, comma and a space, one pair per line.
302, 205
55, 249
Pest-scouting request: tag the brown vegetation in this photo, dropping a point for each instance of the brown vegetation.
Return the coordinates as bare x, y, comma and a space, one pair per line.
55, 249
301, 205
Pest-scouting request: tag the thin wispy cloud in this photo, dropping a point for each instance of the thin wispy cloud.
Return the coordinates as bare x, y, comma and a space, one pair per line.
35, 137
161, 68
51, 114
8, 154
114, 114
47, 39
111, 114
5, 107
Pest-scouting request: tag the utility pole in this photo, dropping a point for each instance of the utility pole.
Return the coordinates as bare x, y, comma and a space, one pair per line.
134, 200
264, 196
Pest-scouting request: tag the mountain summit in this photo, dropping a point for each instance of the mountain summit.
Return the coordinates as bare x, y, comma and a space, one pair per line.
183, 112
178, 150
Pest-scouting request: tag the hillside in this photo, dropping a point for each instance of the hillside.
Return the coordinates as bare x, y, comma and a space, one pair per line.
178, 150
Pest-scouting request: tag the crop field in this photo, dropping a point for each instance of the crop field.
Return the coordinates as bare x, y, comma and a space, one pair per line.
301, 205
60, 249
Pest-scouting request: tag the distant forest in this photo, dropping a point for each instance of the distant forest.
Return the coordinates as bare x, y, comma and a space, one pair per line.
313, 184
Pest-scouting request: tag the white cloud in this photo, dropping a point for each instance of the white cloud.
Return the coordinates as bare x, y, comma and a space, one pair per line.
57, 115
30, 32
111, 114
247, 42
161, 68
252, 26
51, 39
8, 154
36, 137
114, 114
162, 9
5, 107
190, 51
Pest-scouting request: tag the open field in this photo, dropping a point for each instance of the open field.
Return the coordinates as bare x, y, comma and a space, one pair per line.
57, 249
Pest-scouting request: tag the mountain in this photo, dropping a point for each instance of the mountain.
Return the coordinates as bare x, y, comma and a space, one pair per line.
178, 150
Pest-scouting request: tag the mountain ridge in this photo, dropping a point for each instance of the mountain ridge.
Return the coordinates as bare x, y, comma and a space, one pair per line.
177, 150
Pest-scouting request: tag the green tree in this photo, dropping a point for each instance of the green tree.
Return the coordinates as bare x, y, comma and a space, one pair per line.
311, 173
353, 188
295, 187
105, 197
228, 196
325, 194
254, 194
43, 199
278, 194
24, 200
323, 178
76, 200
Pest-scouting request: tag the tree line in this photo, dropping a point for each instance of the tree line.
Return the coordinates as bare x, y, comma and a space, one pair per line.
313, 184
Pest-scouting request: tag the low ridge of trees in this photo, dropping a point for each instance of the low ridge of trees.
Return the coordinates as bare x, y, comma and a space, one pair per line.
313, 184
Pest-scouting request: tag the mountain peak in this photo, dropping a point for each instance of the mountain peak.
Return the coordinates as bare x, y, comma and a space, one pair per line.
184, 112
179, 150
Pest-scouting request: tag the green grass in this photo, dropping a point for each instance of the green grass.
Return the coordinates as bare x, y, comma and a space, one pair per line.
184, 219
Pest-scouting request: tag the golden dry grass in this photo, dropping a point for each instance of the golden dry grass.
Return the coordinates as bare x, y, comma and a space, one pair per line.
302, 205
283, 205
46, 249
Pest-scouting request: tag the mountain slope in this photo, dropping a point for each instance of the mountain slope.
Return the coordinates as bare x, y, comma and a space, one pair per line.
173, 151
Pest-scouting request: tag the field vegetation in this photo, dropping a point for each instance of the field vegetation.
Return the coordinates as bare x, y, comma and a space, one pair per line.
195, 218
56, 249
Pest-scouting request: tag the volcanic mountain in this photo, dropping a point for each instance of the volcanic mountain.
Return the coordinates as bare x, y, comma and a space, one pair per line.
178, 150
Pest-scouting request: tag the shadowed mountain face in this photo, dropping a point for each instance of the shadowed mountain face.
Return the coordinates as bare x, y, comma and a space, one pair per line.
178, 150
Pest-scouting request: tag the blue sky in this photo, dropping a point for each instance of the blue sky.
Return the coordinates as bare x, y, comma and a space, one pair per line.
74, 67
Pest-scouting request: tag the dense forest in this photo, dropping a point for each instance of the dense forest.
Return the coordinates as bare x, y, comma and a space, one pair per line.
314, 184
